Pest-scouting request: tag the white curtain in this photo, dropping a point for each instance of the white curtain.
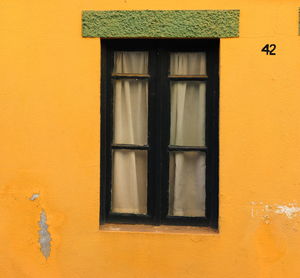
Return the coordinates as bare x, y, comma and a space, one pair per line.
187, 113
131, 62
187, 184
129, 184
188, 63
187, 169
129, 171
130, 112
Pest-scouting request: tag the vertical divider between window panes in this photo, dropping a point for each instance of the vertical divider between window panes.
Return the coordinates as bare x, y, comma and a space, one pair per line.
152, 138
208, 135
157, 133
165, 136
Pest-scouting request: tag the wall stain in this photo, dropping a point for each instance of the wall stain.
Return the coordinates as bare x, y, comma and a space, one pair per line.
34, 196
290, 211
260, 209
45, 237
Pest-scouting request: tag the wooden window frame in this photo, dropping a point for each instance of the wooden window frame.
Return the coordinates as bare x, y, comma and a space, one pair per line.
159, 129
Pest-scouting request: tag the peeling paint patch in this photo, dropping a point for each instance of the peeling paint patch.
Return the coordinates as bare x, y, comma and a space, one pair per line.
265, 211
45, 237
290, 211
34, 196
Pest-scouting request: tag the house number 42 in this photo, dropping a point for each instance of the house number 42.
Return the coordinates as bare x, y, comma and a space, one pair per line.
269, 49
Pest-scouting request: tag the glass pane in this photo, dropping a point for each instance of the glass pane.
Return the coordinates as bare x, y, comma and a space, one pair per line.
188, 63
187, 113
131, 62
130, 112
129, 181
187, 184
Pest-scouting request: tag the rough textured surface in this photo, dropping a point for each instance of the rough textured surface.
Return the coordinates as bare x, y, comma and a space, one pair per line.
161, 24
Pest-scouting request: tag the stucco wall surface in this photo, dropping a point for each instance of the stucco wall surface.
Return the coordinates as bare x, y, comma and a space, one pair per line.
49, 150
161, 24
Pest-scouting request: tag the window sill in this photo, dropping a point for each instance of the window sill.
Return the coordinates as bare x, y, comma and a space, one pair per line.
163, 229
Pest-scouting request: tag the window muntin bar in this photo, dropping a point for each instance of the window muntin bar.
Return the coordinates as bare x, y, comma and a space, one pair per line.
186, 148
186, 76
127, 75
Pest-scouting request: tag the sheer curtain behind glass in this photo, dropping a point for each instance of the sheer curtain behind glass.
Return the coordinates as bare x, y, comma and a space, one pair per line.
188, 63
187, 168
187, 113
131, 62
129, 177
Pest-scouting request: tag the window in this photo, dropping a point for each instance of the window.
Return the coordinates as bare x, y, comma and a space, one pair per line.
159, 131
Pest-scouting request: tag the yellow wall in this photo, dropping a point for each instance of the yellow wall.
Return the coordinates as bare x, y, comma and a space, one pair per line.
49, 144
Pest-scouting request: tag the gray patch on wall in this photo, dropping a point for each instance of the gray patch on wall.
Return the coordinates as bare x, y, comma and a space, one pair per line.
45, 237
34, 196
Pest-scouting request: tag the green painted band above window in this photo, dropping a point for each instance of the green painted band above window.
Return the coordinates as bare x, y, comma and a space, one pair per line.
161, 24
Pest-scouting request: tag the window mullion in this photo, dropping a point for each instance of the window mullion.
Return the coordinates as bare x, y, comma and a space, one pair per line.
155, 134
152, 137
164, 93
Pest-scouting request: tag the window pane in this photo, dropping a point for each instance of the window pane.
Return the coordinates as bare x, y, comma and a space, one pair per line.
187, 184
129, 181
130, 111
131, 62
187, 113
188, 63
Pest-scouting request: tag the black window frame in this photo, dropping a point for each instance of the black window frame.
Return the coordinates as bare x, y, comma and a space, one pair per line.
159, 129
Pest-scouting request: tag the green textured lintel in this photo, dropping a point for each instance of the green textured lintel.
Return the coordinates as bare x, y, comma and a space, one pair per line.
161, 24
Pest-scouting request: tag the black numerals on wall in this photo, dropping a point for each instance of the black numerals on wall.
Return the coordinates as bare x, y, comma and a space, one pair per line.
269, 49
